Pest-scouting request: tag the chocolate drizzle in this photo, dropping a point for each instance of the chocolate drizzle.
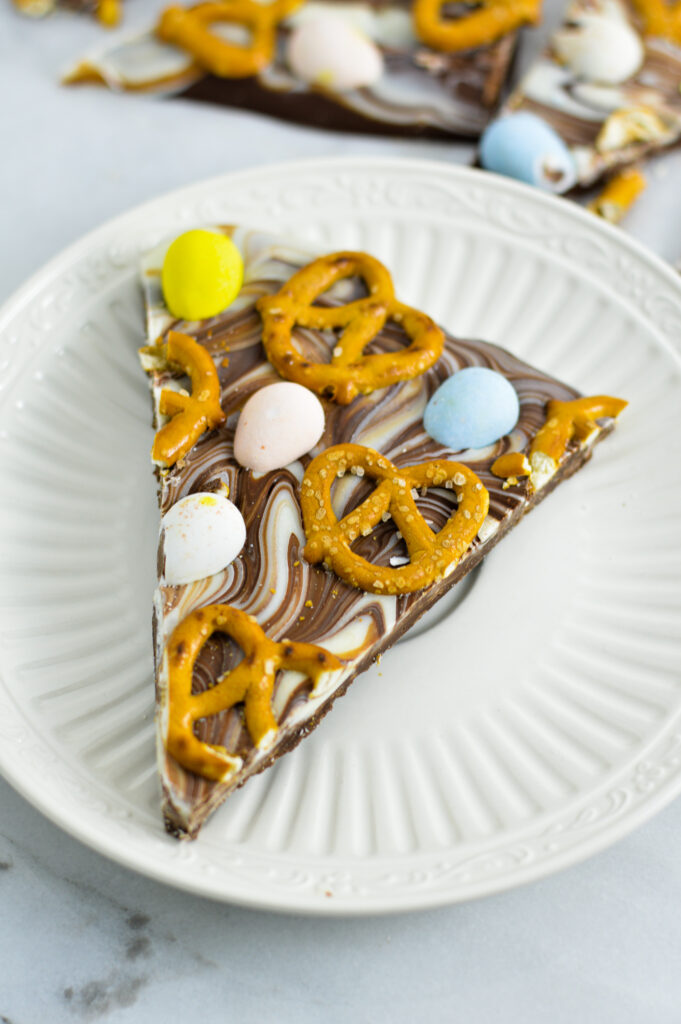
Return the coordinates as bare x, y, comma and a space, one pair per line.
271, 579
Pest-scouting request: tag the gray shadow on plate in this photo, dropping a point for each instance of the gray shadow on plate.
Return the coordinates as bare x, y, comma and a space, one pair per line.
445, 607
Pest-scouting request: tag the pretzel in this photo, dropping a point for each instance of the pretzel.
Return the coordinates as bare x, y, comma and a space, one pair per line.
432, 555
511, 465
189, 28
109, 12
191, 414
660, 18
252, 681
349, 373
619, 195
564, 421
489, 21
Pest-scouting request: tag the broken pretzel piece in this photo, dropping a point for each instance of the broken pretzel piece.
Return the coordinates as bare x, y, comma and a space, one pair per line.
190, 29
191, 414
564, 421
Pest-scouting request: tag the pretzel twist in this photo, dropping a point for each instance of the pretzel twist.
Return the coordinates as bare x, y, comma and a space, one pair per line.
190, 29
432, 555
349, 373
191, 414
489, 21
252, 682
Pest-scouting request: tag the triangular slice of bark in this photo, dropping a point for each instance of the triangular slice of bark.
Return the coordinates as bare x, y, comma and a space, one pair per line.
271, 580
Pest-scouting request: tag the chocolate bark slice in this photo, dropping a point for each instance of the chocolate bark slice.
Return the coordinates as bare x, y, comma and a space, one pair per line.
422, 91
271, 579
610, 107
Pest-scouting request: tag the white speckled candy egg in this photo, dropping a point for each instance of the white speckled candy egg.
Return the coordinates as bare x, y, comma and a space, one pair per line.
329, 52
600, 49
472, 409
202, 534
277, 425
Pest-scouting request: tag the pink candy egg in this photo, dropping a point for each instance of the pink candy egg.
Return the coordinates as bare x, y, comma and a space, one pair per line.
277, 425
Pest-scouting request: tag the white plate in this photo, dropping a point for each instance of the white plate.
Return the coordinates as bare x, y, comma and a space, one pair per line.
533, 726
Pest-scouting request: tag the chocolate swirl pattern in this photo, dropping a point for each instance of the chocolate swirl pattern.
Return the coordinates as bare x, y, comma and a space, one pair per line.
422, 91
270, 579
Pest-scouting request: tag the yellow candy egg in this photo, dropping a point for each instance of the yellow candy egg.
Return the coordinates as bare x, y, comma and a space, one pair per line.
202, 274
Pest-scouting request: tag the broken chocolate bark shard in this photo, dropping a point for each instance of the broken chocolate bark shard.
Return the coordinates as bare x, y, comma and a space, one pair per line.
609, 86
271, 579
421, 92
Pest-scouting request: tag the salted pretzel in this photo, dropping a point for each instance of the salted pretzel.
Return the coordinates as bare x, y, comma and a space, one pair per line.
252, 681
350, 372
660, 18
564, 421
432, 555
190, 29
191, 414
488, 21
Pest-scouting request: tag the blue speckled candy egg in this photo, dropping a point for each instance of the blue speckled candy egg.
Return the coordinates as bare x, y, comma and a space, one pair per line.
471, 409
525, 147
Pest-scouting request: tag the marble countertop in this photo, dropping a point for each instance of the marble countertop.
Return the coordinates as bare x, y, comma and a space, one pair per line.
82, 939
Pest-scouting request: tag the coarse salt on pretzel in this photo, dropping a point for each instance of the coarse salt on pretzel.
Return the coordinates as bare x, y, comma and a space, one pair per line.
564, 421
431, 555
487, 22
190, 29
350, 372
191, 414
251, 682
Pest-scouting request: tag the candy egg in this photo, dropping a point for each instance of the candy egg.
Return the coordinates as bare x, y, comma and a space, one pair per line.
202, 534
329, 52
202, 274
600, 49
525, 147
471, 409
277, 425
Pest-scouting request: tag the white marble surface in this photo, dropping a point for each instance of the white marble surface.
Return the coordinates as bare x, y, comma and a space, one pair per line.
84, 940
